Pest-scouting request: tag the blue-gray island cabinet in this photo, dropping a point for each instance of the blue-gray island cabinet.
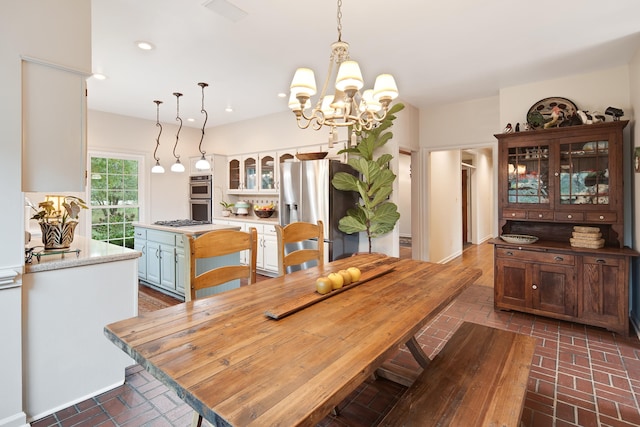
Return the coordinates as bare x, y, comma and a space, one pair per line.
164, 264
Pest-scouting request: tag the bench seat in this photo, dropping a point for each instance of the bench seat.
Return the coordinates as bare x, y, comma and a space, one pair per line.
478, 379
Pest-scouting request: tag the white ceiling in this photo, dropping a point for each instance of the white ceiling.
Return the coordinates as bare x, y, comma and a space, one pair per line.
439, 51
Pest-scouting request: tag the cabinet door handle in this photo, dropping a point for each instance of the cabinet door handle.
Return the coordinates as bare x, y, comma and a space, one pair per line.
158, 253
569, 216
556, 174
144, 250
601, 216
539, 215
535, 287
601, 261
513, 214
510, 253
558, 258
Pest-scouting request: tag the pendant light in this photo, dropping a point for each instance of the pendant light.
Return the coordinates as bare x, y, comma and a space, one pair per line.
158, 167
177, 166
203, 163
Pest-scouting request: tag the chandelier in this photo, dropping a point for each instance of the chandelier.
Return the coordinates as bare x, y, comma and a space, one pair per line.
346, 107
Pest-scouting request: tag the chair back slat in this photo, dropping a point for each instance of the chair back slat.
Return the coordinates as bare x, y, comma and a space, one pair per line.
219, 243
298, 232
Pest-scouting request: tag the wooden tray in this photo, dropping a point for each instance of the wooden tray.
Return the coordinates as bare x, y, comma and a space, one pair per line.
313, 297
312, 156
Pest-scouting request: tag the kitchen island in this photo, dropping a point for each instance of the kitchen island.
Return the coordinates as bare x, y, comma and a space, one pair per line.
164, 264
67, 300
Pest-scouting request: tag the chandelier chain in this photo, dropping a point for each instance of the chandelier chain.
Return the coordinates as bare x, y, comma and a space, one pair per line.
339, 19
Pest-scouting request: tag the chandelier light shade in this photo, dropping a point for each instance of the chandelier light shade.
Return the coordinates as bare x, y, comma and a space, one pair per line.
177, 166
203, 163
157, 168
343, 105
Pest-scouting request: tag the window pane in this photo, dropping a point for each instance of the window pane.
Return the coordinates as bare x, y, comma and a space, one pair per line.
114, 185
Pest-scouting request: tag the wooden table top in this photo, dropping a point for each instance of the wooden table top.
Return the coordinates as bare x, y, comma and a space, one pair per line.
238, 367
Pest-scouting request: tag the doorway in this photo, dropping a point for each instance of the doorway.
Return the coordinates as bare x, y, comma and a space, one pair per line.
404, 203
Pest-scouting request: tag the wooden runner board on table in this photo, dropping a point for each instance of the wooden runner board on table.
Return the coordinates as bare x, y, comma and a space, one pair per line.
313, 297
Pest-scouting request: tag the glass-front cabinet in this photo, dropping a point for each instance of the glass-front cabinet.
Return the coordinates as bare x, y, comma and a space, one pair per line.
256, 173
569, 175
564, 187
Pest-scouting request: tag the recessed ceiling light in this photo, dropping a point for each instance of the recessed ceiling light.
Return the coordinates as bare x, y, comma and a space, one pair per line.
145, 45
282, 95
229, 109
191, 119
99, 76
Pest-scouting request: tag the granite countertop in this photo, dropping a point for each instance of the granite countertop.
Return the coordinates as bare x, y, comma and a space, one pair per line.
90, 252
189, 230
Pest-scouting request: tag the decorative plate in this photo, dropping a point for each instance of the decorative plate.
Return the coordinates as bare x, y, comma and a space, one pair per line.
540, 112
523, 239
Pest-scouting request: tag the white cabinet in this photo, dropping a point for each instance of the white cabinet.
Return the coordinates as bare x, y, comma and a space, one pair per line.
140, 245
256, 173
192, 165
54, 131
267, 257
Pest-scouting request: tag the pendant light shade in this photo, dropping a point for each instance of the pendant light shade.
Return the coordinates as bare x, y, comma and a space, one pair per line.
177, 166
157, 168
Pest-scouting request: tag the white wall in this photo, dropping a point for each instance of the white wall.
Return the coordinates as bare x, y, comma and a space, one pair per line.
404, 194
483, 196
27, 29
445, 220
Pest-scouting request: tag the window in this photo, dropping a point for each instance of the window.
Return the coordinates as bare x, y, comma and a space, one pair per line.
114, 188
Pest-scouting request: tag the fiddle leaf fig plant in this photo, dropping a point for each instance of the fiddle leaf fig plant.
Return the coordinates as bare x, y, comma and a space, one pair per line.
374, 214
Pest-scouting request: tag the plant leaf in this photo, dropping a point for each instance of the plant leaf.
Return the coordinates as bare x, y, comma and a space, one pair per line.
345, 181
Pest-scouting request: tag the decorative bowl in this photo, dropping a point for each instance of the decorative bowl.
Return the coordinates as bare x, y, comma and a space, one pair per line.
523, 239
264, 213
312, 156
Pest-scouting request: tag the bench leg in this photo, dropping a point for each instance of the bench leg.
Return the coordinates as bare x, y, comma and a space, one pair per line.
417, 353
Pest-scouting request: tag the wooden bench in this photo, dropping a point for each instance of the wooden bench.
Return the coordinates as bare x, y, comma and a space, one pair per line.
478, 379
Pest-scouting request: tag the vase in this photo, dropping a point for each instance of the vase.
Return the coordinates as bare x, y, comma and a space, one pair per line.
57, 235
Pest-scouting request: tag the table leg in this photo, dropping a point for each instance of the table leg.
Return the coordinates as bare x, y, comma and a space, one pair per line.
417, 353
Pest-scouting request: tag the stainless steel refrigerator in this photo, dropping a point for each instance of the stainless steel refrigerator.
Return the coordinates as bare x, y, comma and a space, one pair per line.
306, 194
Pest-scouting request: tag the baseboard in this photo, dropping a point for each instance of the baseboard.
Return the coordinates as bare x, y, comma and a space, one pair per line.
450, 258
16, 420
74, 401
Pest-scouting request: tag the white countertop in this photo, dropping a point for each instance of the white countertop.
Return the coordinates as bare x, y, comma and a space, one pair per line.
242, 218
90, 252
189, 230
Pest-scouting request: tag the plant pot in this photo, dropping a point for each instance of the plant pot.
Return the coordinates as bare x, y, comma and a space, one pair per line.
226, 213
57, 236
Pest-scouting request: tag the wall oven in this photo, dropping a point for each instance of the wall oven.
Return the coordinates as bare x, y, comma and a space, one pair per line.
200, 187
200, 198
200, 209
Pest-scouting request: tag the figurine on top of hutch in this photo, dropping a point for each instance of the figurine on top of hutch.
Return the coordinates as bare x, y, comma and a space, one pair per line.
561, 198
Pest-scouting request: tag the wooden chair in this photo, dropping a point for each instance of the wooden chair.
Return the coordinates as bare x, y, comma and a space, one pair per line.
219, 243
298, 232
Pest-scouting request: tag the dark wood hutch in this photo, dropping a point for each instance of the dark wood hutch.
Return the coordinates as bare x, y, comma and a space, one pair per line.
550, 181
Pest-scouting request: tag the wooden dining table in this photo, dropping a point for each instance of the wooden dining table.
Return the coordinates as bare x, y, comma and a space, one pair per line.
235, 364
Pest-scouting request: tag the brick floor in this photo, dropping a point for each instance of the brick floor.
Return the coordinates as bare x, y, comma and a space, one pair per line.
581, 376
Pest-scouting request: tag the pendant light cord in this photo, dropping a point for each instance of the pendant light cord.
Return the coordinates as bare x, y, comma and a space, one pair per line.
206, 117
177, 95
339, 19
157, 159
